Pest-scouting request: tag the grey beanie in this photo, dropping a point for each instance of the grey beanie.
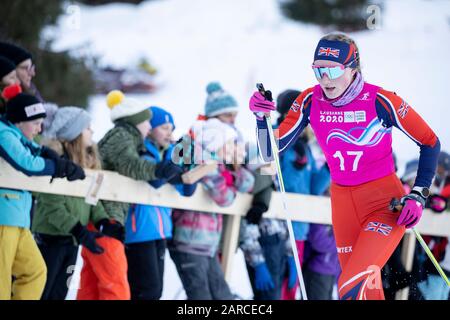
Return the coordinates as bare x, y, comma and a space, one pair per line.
68, 123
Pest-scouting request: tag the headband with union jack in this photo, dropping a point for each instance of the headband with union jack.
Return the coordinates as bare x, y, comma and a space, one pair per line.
337, 51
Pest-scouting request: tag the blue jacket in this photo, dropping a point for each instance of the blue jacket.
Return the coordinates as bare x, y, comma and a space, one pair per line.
23, 155
146, 222
309, 180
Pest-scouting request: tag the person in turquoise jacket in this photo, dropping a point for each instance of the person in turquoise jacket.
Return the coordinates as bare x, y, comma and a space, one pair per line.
19, 255
148, 227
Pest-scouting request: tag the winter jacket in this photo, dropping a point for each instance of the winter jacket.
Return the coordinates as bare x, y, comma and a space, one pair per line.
121, 149
308, 180
320, 253
146, 222
56, 215
23, 155
199, 232
250, 234
2, 101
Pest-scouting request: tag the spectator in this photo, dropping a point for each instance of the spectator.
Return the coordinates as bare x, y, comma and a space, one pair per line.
19, 255
8, 76
320, 263
196, 235
105, 276
60, 222
25, 67
265, 243
148, 227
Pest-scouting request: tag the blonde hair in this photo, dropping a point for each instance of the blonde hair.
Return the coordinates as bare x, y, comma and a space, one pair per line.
345, 38
86, 157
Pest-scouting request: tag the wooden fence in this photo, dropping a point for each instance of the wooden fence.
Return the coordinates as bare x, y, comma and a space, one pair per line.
107, 185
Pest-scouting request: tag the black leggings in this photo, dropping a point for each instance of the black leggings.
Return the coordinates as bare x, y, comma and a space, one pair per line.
146, 269
60, 255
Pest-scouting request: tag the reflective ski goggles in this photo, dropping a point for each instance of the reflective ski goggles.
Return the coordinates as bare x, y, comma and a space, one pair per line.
332, 72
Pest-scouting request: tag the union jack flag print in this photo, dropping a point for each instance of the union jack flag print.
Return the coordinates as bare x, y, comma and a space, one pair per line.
328, 52
379, 227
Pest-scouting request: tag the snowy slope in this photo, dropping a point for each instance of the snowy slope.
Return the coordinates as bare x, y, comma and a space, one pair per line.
241, 42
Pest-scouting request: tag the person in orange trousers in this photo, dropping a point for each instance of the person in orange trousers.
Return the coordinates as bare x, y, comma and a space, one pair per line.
104, 276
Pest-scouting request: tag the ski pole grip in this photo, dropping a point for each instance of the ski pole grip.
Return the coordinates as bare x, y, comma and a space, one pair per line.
395, 205
266, 94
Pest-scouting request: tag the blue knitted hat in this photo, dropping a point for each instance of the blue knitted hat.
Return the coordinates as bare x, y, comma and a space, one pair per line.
219, 101
160, 117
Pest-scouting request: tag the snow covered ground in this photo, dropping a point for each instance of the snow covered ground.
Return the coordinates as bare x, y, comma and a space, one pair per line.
241, 42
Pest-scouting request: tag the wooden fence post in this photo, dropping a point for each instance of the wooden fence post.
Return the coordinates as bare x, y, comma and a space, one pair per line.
230, 243
408, 248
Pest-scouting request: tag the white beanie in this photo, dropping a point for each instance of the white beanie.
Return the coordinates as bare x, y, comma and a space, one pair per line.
214, 134
123, 107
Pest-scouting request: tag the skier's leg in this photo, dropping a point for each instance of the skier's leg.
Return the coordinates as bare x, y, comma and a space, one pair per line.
346, 226
378, 237
361, 277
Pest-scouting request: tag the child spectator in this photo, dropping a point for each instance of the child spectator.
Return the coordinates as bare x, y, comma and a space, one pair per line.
120, 151
59, 222
265, 243
148, 227
196, 235
19, 255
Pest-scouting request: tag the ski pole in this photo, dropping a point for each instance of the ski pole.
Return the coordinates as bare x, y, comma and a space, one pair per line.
395, 206
274, 149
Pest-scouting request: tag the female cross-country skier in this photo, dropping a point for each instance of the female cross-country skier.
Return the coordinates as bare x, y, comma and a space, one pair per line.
353, 121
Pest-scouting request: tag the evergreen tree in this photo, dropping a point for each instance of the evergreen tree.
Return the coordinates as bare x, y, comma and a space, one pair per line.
60, 78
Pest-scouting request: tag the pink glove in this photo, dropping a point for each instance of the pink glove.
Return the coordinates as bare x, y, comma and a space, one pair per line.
258, 104
412, 210
229, 179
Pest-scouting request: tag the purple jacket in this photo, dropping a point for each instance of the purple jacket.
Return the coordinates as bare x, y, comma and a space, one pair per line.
320, 250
